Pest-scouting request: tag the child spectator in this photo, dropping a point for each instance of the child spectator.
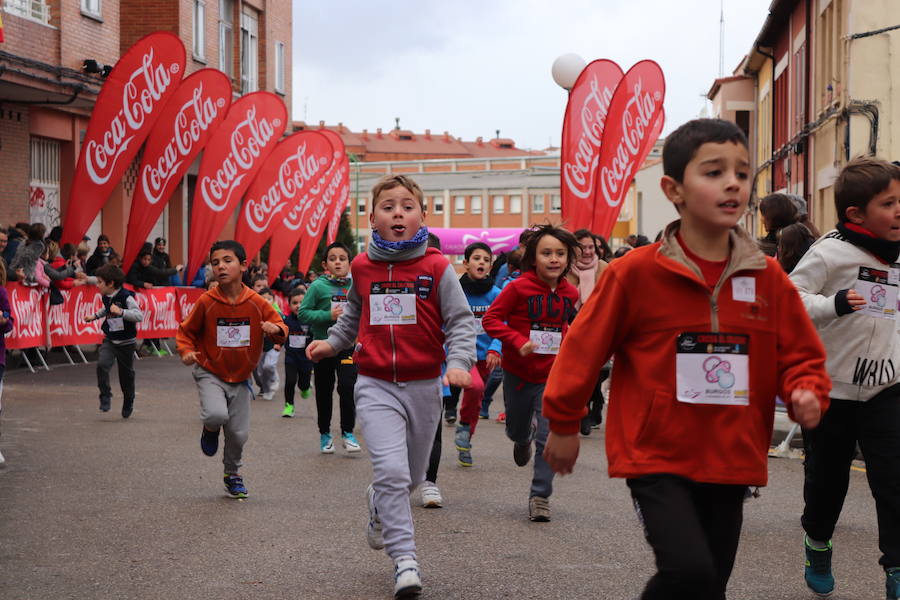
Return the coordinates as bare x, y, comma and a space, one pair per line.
848, 282
531, 317
404, 303
297, 367
258, 283
691, 420
323, 305
266, 372
121, 313
222, 338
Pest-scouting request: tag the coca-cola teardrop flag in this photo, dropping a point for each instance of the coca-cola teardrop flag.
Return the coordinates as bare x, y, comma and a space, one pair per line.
582, 134
184, 127
234, 154
633, 112
295, 164
129, 103
337, 208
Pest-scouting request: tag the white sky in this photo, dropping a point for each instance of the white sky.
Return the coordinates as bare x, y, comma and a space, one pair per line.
471, 67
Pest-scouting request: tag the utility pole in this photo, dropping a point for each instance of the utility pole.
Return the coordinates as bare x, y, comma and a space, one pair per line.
721, 38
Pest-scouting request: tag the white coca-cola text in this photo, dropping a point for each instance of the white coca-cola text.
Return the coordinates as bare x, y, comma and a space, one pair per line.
27, 312
579, 174
635, 128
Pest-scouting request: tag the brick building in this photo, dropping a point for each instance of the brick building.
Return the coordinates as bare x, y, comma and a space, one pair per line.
51, 71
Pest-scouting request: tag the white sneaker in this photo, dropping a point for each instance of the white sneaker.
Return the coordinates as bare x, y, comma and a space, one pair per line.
407, 581
431, 496
268, 395
2, 460
373, 528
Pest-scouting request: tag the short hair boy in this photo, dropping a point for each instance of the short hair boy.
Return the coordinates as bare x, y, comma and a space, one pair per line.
683, 317
848, 280
297, 367
223, 338
119, 336
404, 303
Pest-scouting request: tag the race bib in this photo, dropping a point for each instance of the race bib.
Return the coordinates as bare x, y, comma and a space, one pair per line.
743, 289
713, 368
392, 303
232, 333
338, 300
297, 341
879, 289
115, 323
478, 312
547, 339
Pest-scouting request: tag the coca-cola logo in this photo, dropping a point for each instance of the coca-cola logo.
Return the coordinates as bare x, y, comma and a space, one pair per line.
579, 174
163, 316
87, 302
192, 120
141, 95
27, 312
186, 305
248, 139
314, 225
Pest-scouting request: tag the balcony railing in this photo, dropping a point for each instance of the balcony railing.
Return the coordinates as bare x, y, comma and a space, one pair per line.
36, 10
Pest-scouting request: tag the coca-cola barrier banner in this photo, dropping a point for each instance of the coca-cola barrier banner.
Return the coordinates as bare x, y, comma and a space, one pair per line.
338, 208
233, 156
28, 309
284, 181
454, 240
184, 127
130, 102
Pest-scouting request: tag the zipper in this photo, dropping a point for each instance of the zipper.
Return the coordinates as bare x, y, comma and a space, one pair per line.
391, 326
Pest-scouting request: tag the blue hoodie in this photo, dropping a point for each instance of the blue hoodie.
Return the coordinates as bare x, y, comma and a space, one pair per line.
480, 294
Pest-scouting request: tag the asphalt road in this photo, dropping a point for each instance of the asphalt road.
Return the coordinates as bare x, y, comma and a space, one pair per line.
94, 507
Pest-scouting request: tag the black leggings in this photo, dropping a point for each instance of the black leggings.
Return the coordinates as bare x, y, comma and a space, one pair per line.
295, 376
434, 461
326, 371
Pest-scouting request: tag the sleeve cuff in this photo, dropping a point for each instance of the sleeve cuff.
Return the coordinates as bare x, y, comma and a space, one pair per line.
565, 427
841, 304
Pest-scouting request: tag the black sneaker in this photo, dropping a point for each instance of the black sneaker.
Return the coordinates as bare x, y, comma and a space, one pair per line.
104, 404
586, 426
127, 409
235, 486
209, 442
521, 453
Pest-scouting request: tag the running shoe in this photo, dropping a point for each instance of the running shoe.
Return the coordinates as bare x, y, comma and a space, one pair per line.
892, 583
484, 415
521, 453
304, 393
431, 496
326, 443
817, 571
105, 404
2, 460
209, 442
407, 581
268, 395
450, 418
586, 426
235, 486
127, 409
288, 411
539, 509
464, 446
501, 418
373, 528
350, 442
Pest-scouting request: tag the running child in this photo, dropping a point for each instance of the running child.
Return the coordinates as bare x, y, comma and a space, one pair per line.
324, 303
297, 367
848, 282
404, 304
266, 372
222, 338
531, 316
706, 331
119, 336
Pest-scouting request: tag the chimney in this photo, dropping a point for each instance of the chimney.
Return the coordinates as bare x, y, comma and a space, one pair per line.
427, 134
365, 134
340, 127
378, 133
321, 124
479, 141
446, 137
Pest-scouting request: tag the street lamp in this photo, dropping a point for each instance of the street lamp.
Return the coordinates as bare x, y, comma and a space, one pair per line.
566, 70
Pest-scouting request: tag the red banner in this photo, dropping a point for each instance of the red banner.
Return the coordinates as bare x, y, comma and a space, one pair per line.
187, 298
129, 103
159, 306
183, 129
236, 151
633, 112
284, 180
337, 208
582, 134
65, 322
28, 308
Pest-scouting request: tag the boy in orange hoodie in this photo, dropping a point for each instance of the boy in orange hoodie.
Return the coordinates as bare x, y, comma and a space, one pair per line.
223, 338
706, 331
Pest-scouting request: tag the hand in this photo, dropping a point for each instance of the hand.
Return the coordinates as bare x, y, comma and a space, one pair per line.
179, 268
190, 358
270, 328
458, 378
855, 301
806, 408
277, 347
561, 452
89, 318
148, 285
319, 349
115, 310
81, 276
336, 312
527, 349
492, 361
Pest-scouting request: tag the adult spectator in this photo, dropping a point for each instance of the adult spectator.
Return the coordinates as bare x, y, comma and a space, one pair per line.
778, 211
803, 215
15, 236
102, 253
160, 259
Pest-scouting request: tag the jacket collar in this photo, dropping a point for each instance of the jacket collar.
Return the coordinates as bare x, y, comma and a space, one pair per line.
745, 253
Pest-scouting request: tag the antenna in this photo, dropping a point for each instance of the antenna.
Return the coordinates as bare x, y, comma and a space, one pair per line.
397, 121
721, 38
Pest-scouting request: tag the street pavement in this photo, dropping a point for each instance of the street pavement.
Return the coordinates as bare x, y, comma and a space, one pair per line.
96, 507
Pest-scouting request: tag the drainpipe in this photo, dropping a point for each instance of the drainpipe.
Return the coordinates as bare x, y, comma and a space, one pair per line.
807, 164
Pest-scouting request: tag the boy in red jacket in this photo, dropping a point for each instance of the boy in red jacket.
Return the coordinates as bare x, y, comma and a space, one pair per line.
706, 331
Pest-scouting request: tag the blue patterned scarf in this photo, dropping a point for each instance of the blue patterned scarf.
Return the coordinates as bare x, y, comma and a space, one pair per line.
392, 247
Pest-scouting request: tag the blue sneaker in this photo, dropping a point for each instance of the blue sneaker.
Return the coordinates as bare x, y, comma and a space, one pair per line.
351, 444
209, 442
892, 583
235, 486
326, 443
818, 569
464, 445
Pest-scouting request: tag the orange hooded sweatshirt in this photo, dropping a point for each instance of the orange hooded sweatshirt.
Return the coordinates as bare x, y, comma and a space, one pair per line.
640, 306
199, 332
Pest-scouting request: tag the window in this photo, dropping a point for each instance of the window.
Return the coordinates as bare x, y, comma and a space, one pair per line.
498, 205
200, 29
279, 67
515, 205
249, 51
36, 10
476, 205
91, 7
555, 204
459, 205
44, 184
438, 205
361, 206
537, 203
226, 37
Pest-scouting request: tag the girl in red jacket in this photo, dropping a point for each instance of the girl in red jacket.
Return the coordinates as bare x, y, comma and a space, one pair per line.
530, 317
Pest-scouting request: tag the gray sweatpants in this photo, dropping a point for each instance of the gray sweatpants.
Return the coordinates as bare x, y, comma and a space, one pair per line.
398, 422
225, 405
524, 422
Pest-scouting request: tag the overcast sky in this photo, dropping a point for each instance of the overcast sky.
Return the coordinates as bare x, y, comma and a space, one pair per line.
471, 67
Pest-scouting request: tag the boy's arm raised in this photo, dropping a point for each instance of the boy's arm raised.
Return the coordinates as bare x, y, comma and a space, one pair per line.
459, 324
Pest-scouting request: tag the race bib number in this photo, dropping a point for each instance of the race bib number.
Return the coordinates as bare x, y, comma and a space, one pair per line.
232, 333
743, 289
879, 289
546, 339
115, 323
297, 341
338, 300
392, 303
713, 368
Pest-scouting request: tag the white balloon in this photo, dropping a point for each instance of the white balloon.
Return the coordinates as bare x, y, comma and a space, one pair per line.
566, 70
